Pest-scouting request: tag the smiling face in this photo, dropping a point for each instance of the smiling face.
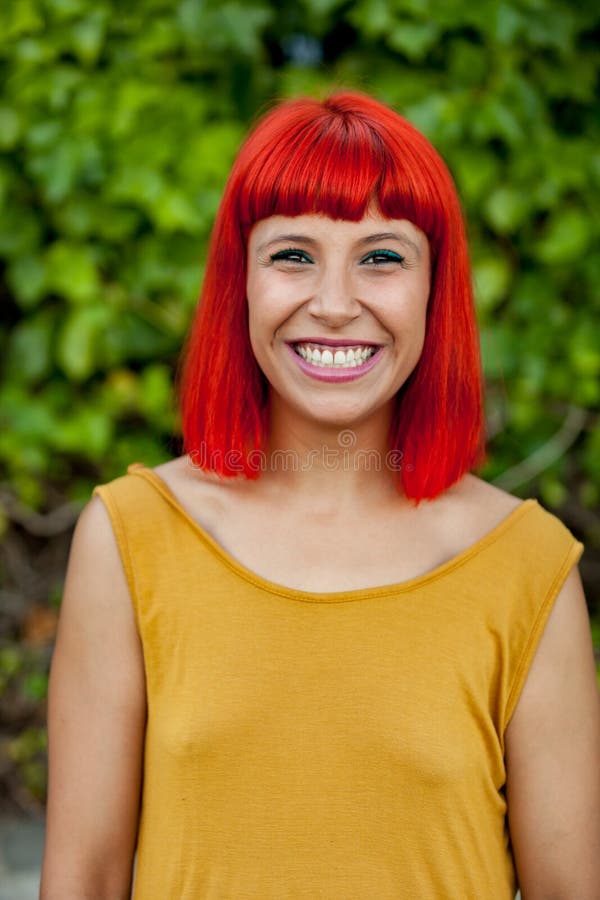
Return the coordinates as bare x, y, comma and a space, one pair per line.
337, 311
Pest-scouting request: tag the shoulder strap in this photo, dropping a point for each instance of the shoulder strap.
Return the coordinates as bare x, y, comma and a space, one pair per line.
150, 535
536, 561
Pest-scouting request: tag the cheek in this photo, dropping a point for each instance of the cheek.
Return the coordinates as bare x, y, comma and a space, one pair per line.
262, 317
257, 300
265, 316
270, 303
406, 313
420, 325
255, 317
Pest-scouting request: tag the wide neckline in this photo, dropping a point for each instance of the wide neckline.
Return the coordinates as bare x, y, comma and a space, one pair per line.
138, 468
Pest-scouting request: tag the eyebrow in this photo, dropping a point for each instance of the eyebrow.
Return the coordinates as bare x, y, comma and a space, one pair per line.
392, 236
291, 238
370, 239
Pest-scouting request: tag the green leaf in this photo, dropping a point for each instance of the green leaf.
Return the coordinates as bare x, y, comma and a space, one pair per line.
22, 17
507, 22
372, 17
207, 157
27, 417
137, 185
173, 211
63, 165
72, 271
506, 208
27, 277
20, 230
491, 276
30, 348
566, 238
554, 492
428, 114
88, 431
414, 39
87, 37
233, 27
32, 52
77, 340
155, 396
120, 392
323, 7
477, 171
499, 351
11, 661
35, 686
10, 127
62, 10
495, 119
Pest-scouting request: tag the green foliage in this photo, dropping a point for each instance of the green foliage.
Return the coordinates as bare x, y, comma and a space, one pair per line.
118, 127
28, 752
23, 690
20, 674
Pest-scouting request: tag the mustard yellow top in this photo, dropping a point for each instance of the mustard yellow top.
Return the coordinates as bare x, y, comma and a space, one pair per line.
345, 745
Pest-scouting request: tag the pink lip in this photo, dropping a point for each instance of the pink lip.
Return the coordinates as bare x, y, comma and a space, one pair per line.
336, 375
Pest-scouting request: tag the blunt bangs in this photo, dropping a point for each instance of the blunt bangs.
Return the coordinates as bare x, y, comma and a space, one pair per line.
339, 165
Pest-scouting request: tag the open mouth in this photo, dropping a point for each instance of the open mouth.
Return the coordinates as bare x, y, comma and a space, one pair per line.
326, 357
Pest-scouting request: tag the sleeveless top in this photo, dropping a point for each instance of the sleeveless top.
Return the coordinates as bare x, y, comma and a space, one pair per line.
338, 745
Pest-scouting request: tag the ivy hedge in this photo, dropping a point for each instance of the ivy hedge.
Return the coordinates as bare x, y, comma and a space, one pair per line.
118, 127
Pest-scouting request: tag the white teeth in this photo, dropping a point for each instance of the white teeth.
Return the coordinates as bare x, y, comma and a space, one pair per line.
350, 358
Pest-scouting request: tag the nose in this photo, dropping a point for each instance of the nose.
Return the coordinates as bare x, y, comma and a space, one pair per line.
333, 301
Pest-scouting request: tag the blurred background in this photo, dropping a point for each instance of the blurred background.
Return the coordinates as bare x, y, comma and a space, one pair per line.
118, 126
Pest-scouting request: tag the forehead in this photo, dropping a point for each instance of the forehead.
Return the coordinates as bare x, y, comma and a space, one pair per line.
320, 228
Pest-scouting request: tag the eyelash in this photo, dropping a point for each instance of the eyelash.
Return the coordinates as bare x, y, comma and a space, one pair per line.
285, 256
387, 254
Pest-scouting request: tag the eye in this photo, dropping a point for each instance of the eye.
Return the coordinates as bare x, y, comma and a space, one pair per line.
291, 255
382, 257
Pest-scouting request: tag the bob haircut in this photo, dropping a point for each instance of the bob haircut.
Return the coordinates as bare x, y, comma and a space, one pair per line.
336, 157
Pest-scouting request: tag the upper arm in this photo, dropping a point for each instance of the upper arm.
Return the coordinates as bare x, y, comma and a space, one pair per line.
553, 760
96, 720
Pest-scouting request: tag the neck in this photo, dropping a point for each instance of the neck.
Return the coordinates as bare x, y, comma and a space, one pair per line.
329, 468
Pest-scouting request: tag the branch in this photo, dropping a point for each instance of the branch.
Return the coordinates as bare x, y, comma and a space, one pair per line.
40, 524
547, 454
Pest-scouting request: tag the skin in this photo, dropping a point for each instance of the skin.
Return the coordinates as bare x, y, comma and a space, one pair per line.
297, 523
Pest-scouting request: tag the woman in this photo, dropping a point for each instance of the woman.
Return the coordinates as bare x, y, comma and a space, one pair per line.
316, 656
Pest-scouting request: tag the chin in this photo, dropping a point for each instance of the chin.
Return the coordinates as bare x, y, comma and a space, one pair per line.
339, 418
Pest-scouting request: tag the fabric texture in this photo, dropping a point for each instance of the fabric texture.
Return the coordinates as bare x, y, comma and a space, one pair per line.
337, 745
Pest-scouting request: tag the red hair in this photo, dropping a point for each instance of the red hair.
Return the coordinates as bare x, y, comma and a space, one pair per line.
335, 157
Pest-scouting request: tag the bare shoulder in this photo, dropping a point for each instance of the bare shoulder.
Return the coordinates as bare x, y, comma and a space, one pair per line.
472, 508
480, 496
95, 569
203, 492
181, 472
94, 533
96, 623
